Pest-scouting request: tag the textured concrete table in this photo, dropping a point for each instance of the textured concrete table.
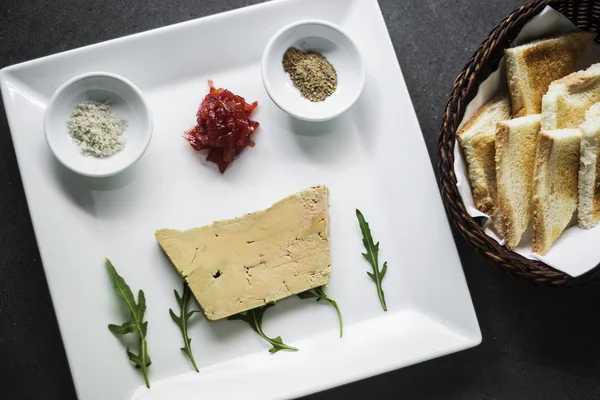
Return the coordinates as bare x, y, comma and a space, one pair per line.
537, 343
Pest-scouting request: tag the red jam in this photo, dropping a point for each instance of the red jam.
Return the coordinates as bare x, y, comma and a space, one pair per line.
224, 126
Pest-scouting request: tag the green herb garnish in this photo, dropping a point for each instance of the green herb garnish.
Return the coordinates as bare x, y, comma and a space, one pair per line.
254, 319
319, 293
135, 324
372, 257
183, 319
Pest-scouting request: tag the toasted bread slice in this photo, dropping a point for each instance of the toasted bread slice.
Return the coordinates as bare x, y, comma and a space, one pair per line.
516, 144
477, 139
555, 178
588, 213
531, 68
568, 99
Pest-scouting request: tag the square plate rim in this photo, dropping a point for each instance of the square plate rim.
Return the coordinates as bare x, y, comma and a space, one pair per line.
6, 72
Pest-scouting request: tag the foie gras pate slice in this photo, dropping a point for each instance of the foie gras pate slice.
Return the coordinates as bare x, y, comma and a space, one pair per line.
236, 265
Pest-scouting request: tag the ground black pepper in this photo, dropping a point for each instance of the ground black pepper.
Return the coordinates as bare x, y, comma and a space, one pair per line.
311, 73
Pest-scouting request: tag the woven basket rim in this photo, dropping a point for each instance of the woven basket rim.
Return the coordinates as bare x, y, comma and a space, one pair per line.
483, 62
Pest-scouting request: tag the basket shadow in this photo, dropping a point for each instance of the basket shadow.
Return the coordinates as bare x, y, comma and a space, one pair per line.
526, 326
530, 329
564, 334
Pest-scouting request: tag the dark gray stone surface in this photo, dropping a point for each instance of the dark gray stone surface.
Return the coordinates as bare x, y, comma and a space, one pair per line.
537, 343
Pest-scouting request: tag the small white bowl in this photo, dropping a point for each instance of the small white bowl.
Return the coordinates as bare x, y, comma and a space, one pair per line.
126, 101
329, 40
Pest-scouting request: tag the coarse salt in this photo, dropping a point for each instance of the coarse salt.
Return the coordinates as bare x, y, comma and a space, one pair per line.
97, 132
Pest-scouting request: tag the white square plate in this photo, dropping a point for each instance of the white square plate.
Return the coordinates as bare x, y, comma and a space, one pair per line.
372, 158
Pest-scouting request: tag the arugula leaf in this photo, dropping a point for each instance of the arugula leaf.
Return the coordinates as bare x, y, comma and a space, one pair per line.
182, 320
372, 257
136, 324
254, 319
319, 293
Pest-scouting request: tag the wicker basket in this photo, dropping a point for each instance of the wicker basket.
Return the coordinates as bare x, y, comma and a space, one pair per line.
586, 15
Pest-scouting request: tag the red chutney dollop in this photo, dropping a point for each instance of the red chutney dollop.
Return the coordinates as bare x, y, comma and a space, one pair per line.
224, 126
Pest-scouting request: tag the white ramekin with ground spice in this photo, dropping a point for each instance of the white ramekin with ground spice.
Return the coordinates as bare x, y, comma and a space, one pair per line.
98, 124
313, 70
